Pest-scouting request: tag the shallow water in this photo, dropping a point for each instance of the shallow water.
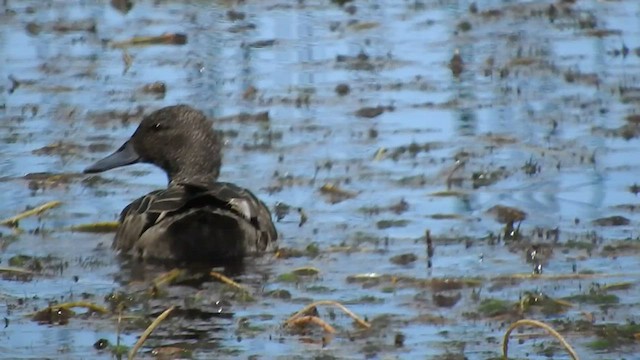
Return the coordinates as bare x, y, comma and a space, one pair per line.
549, 87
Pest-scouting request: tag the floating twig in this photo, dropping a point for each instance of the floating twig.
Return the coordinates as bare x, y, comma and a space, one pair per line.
303, 320
82, 304
149, 330
166, 39
168, 277
327, 302
535, 323
224, 279
98, 227
15, 271
62, 312
13, 221
76, 304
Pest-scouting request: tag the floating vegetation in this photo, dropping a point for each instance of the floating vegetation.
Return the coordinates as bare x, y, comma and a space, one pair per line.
148, 332
166, 39
615, 220
495, 307
244, 292
404, 259
548, 305
302, 313
99, 227
535, 323
306, 271
487, 178
506, 214
595, 295
612, 336
370, 112
336, 194
385, 224
397, 208
307, 319
19, 274
61, 313
13, 221
407, 134
168, 277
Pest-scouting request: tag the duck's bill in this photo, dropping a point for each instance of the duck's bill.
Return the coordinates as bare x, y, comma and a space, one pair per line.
126, 155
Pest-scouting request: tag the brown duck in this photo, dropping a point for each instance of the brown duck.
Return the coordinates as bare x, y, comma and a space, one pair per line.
196, 218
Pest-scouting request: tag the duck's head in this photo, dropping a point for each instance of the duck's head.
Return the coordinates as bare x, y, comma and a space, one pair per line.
179, 139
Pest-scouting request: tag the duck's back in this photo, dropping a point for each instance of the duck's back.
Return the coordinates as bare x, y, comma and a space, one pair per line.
196, 222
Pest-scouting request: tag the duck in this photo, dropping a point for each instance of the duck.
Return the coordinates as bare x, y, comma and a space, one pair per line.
196, 218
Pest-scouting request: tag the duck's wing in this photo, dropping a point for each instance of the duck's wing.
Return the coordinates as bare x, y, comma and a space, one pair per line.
135, 219
150, 209
244, 203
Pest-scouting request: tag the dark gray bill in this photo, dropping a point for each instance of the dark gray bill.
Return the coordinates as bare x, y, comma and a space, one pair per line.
126, 155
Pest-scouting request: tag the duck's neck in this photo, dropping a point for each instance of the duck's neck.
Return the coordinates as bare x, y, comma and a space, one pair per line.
203, 172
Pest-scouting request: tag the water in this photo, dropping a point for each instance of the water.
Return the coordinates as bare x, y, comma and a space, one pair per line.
527, 92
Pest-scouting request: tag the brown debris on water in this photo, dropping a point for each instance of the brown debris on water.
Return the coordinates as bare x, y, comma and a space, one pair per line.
13, 221
16, 273
506, 214
123, 6
342, 89
75, 26
260, 117
158, 88
456, 64
61, 148
404, 259
99, 227
362, 61
535, 323
235, 15
391, 223
108, 117
370, 112
487, 178
148, 332
262, 43
250, 93
615, 220
61, 313
308, 319
446, 299
171, 352
45, 181
165, 39
303, 311
396, 208
335, 194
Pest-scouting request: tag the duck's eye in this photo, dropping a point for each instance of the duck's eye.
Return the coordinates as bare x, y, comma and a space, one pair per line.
158, 127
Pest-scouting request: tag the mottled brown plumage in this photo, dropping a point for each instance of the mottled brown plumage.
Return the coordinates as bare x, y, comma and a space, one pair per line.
196, 218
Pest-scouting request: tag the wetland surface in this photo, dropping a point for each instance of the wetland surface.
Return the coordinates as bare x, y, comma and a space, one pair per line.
441, 168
